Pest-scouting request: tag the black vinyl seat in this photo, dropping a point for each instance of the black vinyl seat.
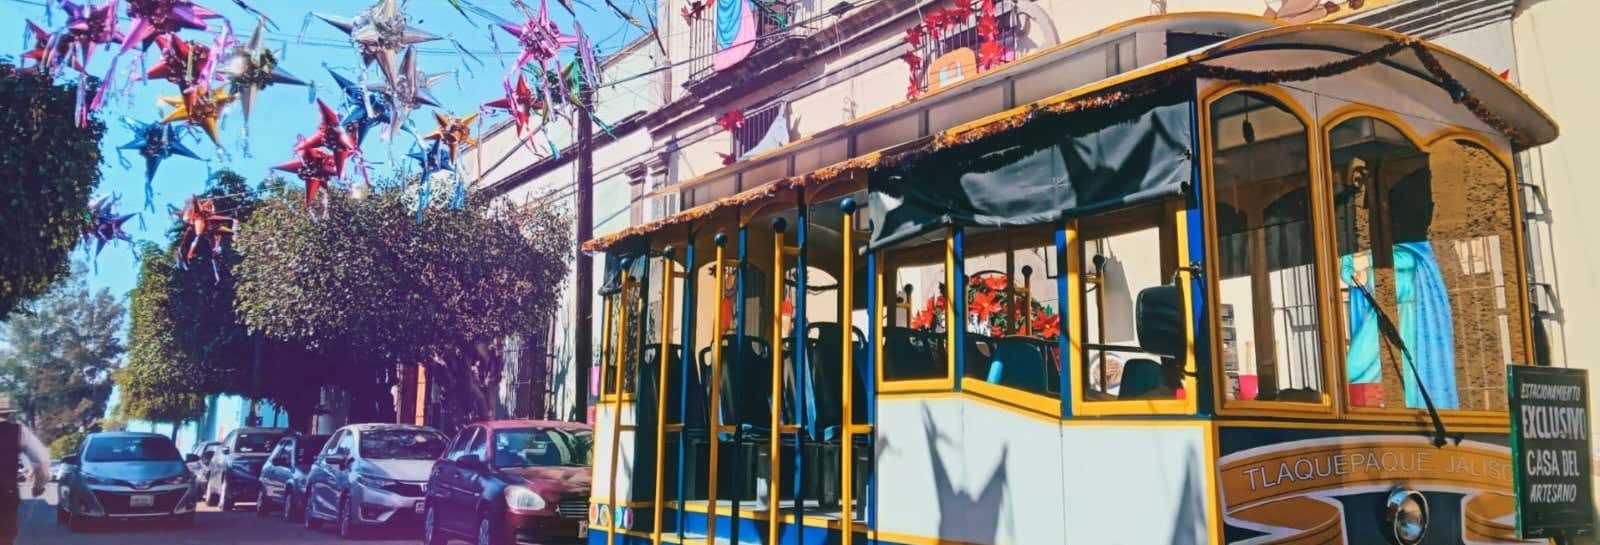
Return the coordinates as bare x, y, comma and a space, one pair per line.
1021, 363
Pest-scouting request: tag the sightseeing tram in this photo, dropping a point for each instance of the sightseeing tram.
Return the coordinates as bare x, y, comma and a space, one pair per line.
1203, 279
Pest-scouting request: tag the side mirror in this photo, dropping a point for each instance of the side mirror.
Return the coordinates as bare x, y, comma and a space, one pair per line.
1159, 317
226, 451
191, 458
470, 461
70, 459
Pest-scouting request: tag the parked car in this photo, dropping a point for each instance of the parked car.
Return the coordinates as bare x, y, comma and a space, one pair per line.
204, 451
56, 467
513, 481
234, 470
121, 475
283, 479
371, 475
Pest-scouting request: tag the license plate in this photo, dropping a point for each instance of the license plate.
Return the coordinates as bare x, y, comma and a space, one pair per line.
141, 500
419, 508
583, 530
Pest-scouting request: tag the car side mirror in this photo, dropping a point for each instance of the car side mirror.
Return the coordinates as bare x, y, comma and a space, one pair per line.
70, 459
191, 458
280, 461
226, 451
470, 461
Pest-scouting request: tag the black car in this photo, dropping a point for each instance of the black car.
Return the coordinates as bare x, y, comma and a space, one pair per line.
283, 479
236, 468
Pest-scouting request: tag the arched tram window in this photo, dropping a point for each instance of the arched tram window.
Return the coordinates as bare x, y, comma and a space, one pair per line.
1447, 278
1267, 291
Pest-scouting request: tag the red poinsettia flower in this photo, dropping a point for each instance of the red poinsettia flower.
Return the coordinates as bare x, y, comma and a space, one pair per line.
693, 11
727, 158
959, 13
996, 282
914, 36
732, 120
1046, 325
989, 54
984, 304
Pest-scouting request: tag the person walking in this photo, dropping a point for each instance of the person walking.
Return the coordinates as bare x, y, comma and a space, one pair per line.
16, 441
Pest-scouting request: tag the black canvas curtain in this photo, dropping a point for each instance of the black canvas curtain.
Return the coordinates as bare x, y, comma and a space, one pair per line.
1049, 170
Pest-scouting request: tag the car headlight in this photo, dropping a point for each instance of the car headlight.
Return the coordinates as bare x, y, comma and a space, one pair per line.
1406, 516
521, 499
374, 481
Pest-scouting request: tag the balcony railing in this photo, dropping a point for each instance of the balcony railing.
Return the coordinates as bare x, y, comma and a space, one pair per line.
778, 22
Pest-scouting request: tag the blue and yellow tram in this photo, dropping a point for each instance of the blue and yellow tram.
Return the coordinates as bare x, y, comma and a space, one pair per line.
1252, 283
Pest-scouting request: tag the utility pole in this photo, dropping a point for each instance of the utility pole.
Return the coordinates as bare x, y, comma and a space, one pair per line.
584, 331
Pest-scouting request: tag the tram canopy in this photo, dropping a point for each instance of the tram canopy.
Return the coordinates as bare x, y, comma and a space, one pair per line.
1121, 140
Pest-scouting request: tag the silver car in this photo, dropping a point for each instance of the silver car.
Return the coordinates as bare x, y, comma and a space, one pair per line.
370, 475
125, 476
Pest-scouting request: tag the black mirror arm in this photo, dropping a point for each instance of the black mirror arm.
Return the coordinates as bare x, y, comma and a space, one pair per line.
1387, 327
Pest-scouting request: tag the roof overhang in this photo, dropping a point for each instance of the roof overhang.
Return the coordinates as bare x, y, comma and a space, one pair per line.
1525, 122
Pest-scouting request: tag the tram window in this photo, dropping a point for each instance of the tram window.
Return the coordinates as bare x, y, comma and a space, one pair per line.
627, 320
1448, 279
914, 329
1267, 288
1013, 310
1124, 253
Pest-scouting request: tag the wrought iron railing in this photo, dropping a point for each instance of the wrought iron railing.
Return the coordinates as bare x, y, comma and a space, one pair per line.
777, 21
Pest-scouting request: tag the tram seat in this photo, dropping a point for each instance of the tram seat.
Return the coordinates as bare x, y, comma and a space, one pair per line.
745, 376
1144, 379
825, 345
912, 354
1020, 362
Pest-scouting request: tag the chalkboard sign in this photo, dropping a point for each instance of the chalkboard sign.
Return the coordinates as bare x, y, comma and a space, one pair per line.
1550, 450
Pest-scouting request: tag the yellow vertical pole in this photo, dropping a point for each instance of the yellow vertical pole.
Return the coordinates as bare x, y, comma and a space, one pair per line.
717, 330
847, 472
616, 407
662, 357
775, 439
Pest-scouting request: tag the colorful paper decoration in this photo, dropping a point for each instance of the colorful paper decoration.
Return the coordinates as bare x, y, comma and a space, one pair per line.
183, 63
363, 109
202, 225
252, 67
152, 18
408, 90
379, 34
315, 166
155, 142
453, 132
88, 28
104, 224
201, 107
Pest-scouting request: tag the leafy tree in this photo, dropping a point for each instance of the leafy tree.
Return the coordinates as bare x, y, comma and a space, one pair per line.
56, 356
188, 343
155, 383
367, 276
50, 166
66, 444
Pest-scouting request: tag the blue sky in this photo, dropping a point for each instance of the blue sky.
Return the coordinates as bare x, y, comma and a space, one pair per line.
283, 113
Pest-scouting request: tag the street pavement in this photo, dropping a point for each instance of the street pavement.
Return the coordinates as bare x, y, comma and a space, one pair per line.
212, 527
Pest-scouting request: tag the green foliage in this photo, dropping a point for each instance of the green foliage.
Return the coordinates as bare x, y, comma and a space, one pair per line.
366, 275
56, 356
186, 343
156, 384
50, 166
66, 444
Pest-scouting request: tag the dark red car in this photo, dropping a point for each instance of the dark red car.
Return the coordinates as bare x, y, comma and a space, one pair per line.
509, 482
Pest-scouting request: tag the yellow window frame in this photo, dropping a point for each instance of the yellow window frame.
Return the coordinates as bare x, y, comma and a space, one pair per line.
1322, 228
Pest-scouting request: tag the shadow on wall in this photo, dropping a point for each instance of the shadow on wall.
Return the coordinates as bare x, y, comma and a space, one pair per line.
1189, 510
973, 517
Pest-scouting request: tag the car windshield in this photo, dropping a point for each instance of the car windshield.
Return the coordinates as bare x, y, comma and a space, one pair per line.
542, 447
255, 443
306, 449
401, 444
130, 449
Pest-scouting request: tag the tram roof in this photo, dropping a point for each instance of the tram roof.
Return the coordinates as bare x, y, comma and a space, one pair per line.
1493, 99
